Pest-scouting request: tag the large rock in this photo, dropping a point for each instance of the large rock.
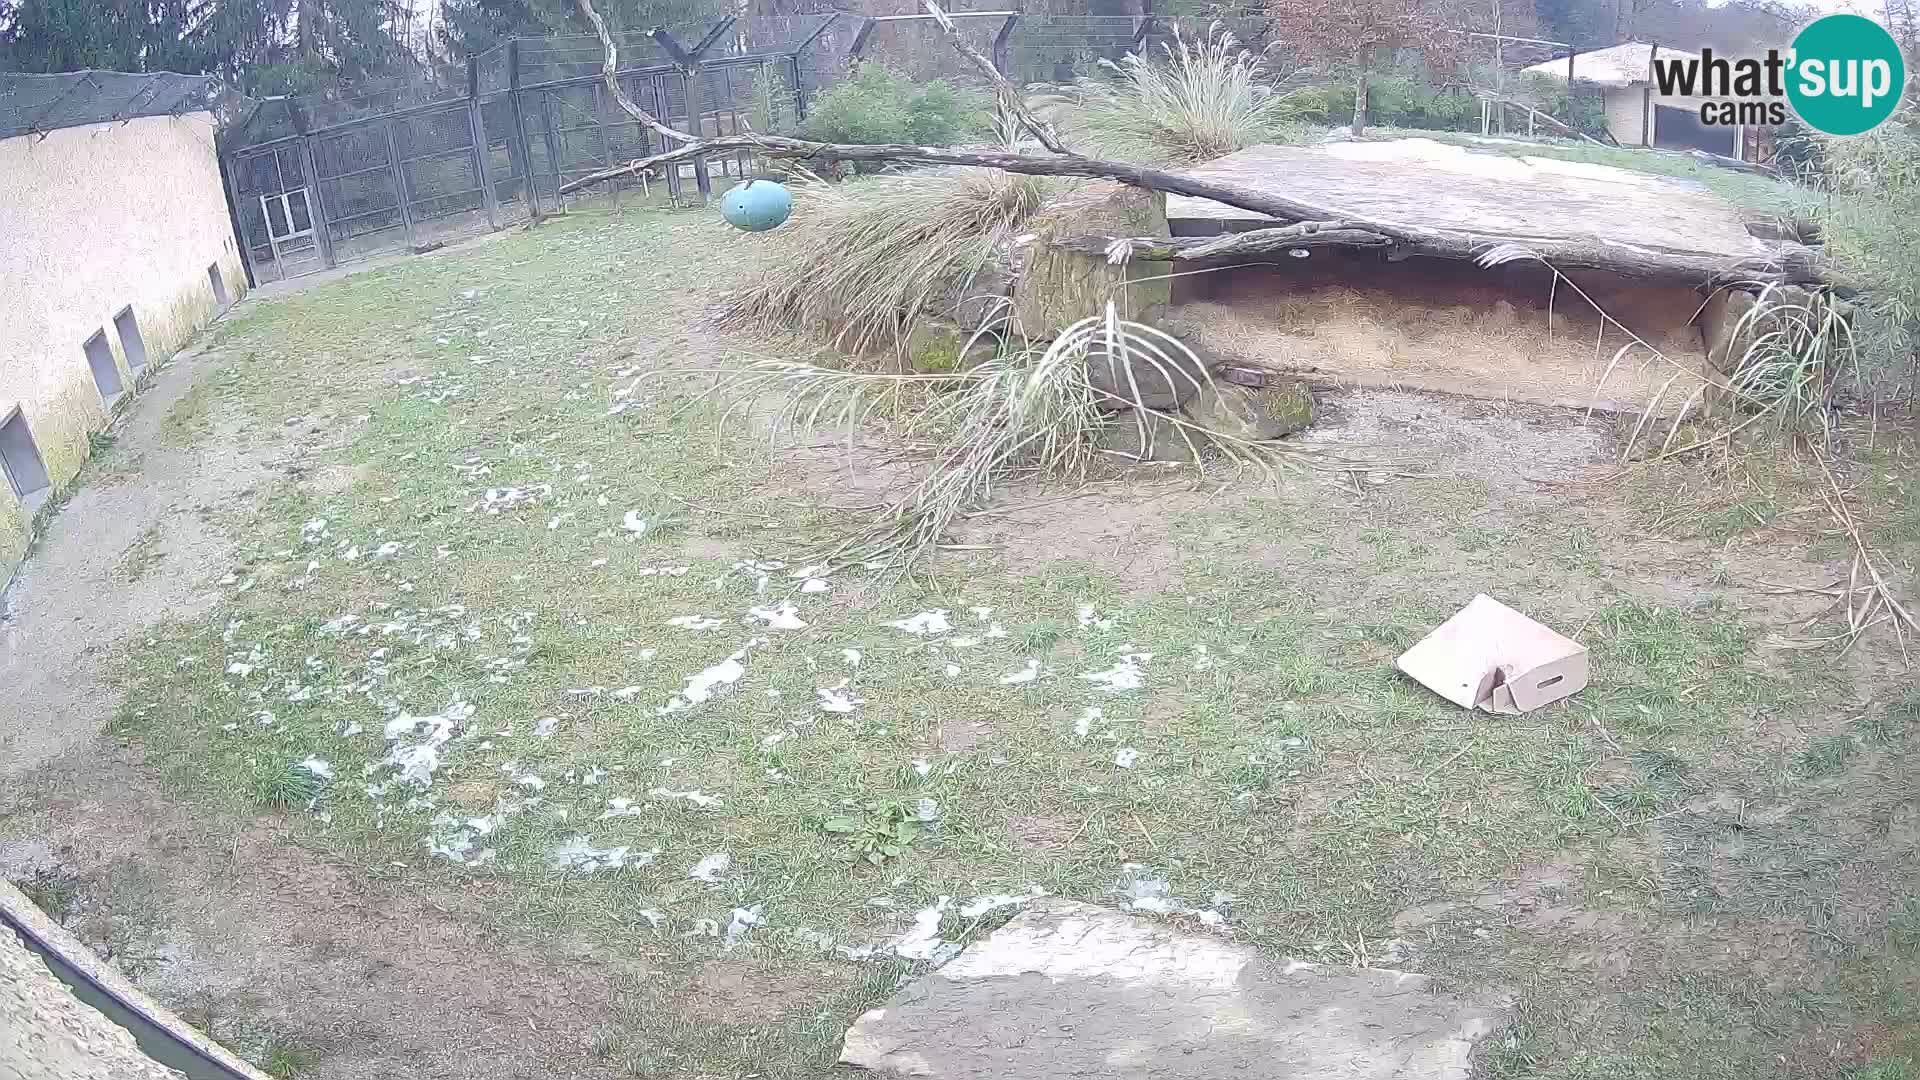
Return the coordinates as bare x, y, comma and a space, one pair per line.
1139, 382
977, 298
1149, 436
1252, 413
1069, 989
1057, 287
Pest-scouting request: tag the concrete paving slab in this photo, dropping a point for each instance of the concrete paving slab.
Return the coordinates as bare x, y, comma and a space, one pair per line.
1071, 989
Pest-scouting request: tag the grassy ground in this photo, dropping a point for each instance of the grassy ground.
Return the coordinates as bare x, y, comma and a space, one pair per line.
1704, 864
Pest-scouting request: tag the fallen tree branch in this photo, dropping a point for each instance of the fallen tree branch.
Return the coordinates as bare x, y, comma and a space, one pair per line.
1312, 225
1795, 266
1012, 102
608, 67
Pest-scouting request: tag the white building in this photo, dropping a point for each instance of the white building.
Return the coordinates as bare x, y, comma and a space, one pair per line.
1639, 115
115, 248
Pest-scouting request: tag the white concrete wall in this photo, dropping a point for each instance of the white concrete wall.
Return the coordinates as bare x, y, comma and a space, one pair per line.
1626, 119
93, 219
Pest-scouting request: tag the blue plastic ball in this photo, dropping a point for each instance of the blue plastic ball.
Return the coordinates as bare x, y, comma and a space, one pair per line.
756, 205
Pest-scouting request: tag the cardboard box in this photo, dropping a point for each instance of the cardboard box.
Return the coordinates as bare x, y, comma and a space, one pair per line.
1491, 657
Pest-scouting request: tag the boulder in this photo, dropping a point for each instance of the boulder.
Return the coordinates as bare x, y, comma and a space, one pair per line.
1147, 384
1252, 413
976, 299
1149, 436
1057, 287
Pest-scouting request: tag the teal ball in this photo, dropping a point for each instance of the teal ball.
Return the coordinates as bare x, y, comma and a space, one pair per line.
757, 205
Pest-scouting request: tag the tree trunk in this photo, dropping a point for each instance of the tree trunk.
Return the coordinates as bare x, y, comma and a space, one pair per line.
1360, 100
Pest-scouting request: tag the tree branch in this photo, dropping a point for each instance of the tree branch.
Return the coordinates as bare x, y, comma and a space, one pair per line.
1793, 266
1011, 100
610, 64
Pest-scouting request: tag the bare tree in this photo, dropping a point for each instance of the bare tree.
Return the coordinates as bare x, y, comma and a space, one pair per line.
1358, 34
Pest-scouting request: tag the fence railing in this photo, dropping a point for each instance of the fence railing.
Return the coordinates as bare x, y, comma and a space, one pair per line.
321, 181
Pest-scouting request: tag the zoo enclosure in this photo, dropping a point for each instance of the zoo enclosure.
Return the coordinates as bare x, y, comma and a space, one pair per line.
325, 180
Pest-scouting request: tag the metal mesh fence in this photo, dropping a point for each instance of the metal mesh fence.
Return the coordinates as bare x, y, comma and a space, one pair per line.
42, 103
334, 177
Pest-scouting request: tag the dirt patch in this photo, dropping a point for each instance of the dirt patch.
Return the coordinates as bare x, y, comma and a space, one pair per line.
334, 479
1045, 834
233, 923
77, 594
740, 991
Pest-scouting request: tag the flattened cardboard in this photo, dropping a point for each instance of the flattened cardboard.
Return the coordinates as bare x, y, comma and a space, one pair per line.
1491, 657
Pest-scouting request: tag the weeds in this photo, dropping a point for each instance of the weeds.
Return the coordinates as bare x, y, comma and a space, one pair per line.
282, 786
1207, 99
1826, 756
881, 831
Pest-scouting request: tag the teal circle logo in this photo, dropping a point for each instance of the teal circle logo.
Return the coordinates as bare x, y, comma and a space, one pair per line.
1846, 75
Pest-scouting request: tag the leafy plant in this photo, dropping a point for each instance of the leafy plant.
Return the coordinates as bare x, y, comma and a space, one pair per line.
1203, 100
882, 830
773, 109
877, 104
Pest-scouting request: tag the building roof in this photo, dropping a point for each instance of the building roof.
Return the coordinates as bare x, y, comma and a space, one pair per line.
42, 103
1615, 66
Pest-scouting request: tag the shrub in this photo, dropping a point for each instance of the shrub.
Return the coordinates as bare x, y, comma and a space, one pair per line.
879, 105
1201, 101
860, 261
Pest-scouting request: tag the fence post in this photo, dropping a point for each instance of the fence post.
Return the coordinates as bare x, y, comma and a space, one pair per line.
702, 179
530, 189
859, 45
399, 182
482, 149
606, 141
1000, 41
552, 141
316, 203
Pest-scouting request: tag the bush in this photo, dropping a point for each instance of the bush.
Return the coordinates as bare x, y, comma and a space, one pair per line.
1203, 100
879, 105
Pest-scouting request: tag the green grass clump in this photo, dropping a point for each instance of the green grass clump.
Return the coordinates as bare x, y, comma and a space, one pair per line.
1202, 100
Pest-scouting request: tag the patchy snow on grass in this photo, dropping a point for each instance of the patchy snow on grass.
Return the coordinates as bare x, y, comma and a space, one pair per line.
634, 524
712, 868
318, 767
922, 941
414, 762
702, 686
697, 798
742, 920
784, 617
1089, 716
851, 657
838, 699
1090, 619
924, 623
980, 905
546, 726
695, 622
1125, 674
578, 854
1202, 659
622, 808
1155, 896
1125, 757
1024, 675
814, 585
